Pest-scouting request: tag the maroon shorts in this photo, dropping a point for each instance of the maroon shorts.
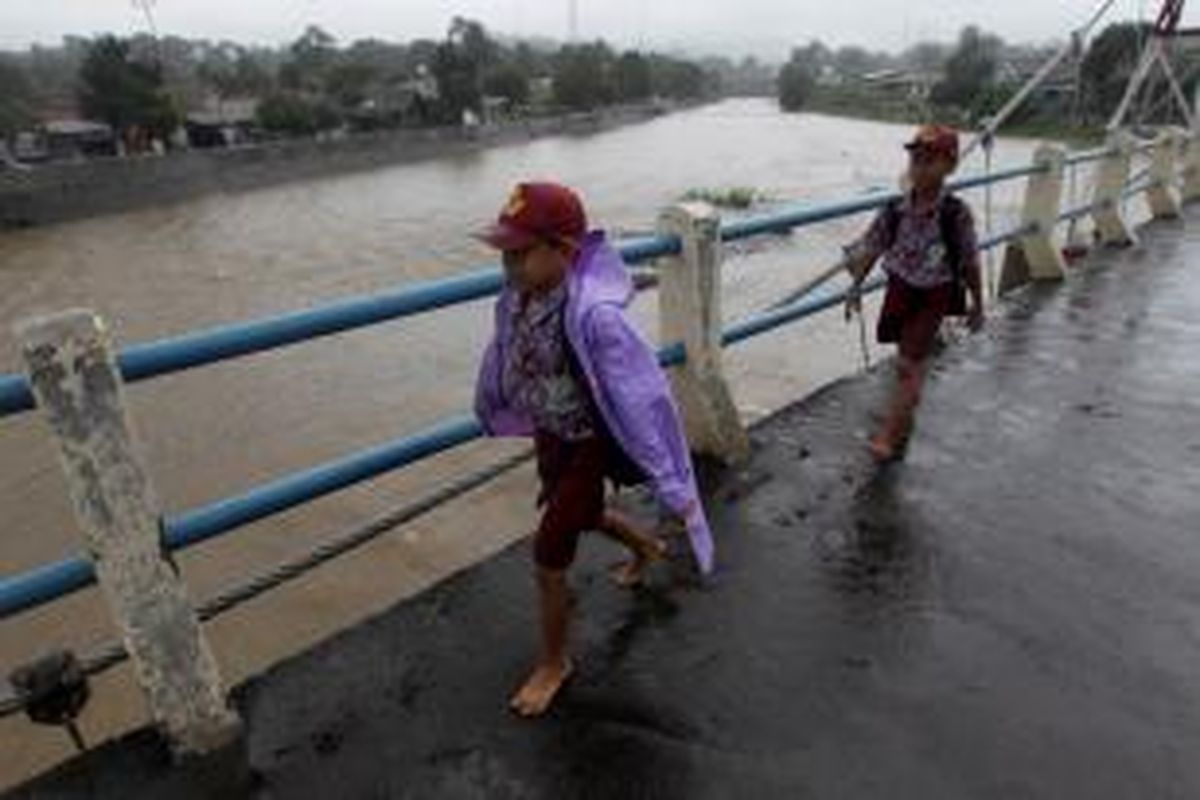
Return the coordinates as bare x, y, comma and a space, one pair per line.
912, 316
572, 496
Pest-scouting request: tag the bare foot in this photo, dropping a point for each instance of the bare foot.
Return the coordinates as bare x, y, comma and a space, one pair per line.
628, 574
540, 688
882, 450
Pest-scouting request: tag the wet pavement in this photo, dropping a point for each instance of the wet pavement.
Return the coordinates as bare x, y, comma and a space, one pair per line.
1013, 613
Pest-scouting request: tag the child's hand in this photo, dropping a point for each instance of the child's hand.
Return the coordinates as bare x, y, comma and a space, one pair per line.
853, 302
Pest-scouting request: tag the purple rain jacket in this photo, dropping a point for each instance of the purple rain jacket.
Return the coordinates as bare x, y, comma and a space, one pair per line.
629, 388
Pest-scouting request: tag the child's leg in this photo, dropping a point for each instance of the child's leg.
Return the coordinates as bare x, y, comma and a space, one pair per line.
574, 494
554, 666
645, 546
897, 427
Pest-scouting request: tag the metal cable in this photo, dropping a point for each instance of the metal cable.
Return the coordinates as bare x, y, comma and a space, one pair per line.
106, 656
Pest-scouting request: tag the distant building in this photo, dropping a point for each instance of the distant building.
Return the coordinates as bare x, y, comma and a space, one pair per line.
391, 104
912, 84
830, 76
222, 122
67, 139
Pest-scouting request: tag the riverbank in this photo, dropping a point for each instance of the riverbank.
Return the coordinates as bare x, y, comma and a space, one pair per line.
64, 192
857, 105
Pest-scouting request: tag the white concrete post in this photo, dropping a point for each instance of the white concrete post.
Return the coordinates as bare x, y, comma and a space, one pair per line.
690, 312
1043, 203
1191, 167
73, 373
1161, 195
1112, 173
1191, 163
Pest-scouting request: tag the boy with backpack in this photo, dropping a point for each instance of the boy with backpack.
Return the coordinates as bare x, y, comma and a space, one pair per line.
931, 256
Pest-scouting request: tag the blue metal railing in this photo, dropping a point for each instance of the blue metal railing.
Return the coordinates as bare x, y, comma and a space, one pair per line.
1087, 156
1139, 186
51, 581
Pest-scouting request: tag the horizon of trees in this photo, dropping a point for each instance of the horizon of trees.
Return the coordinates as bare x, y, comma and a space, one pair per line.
317, 83
976, 75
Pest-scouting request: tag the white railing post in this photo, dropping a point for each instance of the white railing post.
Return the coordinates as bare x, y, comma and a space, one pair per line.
73, 373
690, 312
1161, 195
1041, 255
1191, 156
1112, 174
1191, 167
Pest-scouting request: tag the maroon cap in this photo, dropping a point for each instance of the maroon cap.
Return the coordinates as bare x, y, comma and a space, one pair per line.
939, 139
537, 212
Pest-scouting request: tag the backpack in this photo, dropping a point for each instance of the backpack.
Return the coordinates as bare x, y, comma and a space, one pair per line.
948, 213
621, 469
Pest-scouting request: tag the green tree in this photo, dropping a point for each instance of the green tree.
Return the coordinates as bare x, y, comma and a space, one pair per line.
634, 79
854, 61
508, 81
16, 99
347, 85
216, 71
230, 71
294, 114
1109, 65
925, 56
970, 73
797, 80
251, 76
678, 79
585, 76
124, 93
532, 61
459, 65
310, 58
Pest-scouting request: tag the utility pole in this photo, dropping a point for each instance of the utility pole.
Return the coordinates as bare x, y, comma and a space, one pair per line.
573, 21
147, 8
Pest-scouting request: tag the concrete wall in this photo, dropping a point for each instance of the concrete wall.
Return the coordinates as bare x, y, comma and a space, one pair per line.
61, 192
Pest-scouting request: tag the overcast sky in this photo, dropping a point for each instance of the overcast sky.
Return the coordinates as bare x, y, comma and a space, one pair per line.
764, 26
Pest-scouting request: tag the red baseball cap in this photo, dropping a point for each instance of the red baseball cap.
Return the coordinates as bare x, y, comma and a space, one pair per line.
939, 139
537, 212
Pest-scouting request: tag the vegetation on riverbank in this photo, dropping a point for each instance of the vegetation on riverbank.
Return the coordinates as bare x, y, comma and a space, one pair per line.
736, 197
856, 104
969, 82
147, 88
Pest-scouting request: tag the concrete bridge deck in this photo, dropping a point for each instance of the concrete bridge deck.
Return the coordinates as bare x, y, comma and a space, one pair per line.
1014, 612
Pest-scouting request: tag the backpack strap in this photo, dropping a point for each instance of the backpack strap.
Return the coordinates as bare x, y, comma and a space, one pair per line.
622, 470
892, 216
948, 217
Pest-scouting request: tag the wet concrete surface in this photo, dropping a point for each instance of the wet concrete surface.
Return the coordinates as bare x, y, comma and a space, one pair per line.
1012, 613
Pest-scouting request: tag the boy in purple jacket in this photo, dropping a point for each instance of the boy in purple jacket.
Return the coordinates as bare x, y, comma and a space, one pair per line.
567, 368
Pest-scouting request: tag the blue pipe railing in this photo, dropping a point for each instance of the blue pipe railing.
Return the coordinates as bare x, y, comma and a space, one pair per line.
48, 582
177, 354
1083, 211
784, 221
1086, 156
1137, 187
998, 176
155, 359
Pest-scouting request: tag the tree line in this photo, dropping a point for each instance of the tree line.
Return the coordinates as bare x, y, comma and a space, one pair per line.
316, 83
976, 75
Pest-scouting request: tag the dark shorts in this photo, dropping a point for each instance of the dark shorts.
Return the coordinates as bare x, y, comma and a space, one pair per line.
911, 317
572, 496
